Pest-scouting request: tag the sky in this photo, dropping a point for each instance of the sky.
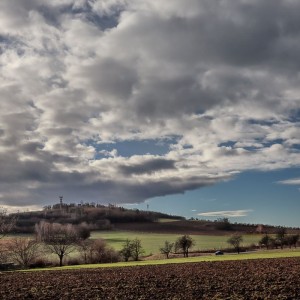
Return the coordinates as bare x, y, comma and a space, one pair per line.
190, 107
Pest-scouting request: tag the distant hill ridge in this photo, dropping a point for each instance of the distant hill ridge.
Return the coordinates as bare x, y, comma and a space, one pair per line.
96, 216
110, 217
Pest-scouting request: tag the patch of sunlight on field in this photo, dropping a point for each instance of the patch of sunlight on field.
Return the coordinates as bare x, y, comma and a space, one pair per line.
151, 242
166, 220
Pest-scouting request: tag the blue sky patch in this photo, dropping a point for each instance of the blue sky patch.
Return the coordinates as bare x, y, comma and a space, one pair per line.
130, 148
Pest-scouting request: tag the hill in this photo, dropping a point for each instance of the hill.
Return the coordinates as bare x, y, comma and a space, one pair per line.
111, 217
97, 217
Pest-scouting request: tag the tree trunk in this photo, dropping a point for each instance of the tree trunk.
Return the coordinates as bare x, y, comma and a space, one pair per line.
61, 260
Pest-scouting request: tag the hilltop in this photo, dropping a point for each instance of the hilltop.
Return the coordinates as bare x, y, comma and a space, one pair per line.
96, 216
112, 217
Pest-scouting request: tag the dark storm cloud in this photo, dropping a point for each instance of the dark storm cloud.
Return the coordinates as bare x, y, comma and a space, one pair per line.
173, 185
13, 170
148, 167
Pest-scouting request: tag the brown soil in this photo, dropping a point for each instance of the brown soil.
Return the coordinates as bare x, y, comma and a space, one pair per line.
252, 279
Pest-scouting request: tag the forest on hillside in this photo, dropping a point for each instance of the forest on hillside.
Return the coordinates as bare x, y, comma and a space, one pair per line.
97, 217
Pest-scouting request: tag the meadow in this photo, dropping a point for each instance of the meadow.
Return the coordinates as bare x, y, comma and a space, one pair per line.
151, 242
262, 254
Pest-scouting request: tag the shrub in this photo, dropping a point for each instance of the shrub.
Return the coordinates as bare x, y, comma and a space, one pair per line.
73, 261
97, 251
40, 263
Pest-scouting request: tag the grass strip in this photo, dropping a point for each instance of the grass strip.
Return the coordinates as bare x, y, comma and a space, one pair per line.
196, 259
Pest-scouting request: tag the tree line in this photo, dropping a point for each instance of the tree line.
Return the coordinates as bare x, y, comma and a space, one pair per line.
279, 240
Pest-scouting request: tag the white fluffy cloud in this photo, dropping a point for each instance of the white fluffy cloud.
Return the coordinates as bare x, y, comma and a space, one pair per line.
294, 181
226, 213
216, 83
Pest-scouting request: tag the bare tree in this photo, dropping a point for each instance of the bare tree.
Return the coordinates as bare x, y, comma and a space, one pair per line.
59, 239
184, 243
280, 236
3, 252
83, 231
126, 252
23, 251
102, 253
166, 249
136, 249
7, 223
266, 241
132, 248
292, 240
85, 249
295, 239
98, 249
235, 240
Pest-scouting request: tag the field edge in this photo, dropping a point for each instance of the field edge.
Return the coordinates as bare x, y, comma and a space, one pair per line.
196, 259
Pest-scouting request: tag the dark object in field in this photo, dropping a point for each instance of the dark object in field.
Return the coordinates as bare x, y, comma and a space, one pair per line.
219, 252
7, 266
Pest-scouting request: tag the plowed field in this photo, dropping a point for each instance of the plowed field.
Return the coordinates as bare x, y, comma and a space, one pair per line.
248, 279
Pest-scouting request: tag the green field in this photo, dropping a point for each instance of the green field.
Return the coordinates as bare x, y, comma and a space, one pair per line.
254, 255
151, 242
